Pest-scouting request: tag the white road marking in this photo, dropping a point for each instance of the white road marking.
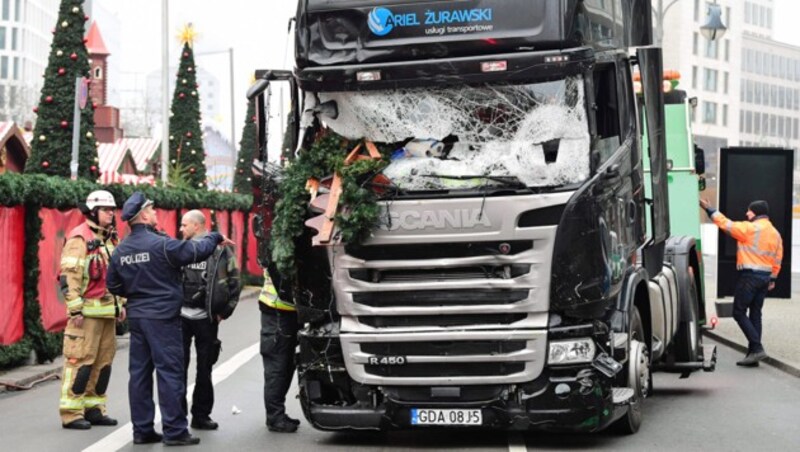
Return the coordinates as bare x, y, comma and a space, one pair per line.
124, 435
516, 443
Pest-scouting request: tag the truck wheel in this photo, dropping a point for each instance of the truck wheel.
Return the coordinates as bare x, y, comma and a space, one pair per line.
639, 377
688, 341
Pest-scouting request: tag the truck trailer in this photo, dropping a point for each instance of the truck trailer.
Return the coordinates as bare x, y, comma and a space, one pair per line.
521, 274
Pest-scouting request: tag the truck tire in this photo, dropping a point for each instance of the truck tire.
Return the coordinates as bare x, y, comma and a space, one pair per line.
688, 341
639, 377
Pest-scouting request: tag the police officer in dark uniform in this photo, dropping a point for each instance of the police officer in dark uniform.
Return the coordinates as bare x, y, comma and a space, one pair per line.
146, 269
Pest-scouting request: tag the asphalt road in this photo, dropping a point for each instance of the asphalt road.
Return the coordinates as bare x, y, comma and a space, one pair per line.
729, 410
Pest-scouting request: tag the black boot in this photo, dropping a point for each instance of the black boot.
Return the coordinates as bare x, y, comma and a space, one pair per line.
96, 417
283, 424
185, 440
204, 424
78, 424
148, 438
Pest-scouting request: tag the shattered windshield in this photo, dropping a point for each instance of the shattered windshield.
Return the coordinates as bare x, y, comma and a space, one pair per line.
536, 134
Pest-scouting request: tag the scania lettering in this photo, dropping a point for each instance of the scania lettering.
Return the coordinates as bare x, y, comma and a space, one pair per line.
523, 274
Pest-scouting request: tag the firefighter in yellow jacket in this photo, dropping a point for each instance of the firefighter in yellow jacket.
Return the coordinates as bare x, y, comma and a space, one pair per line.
89, 339
759, 253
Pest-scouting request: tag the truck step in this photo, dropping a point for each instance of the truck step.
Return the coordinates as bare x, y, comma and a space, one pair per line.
621, 396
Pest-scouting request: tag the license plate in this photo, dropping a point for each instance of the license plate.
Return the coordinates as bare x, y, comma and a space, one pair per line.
433, 416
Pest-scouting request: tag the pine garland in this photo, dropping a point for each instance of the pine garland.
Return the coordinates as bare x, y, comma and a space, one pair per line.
359, 210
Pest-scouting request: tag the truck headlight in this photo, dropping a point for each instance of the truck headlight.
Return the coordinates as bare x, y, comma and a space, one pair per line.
571, 351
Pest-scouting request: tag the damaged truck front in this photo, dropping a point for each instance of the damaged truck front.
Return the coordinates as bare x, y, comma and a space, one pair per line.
517, 277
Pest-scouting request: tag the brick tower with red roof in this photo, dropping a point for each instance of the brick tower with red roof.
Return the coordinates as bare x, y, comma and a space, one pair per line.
106, 117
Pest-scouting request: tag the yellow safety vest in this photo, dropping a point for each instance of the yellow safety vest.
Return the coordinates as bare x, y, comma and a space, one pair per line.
269, 296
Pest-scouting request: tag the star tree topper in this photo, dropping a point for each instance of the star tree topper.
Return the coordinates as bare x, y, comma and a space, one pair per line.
187, 34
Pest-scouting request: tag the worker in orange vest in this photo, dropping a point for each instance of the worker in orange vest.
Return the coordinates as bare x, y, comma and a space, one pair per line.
90, 336
759, 254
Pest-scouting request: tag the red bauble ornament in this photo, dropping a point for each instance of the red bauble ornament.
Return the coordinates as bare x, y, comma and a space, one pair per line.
192, 170
36, 109
45, 164
53, 31
94, 105
61, 71
236, 190
85, 40
186, 54
93, 168
86, 17
197, 85
188, 134
254, 118
64, 124
181, 95
241, 171
73, 56
49, 99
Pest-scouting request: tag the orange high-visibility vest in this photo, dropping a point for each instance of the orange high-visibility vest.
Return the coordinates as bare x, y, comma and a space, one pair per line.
759, 244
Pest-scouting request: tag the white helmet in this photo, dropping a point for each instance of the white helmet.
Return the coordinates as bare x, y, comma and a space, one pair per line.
100, 198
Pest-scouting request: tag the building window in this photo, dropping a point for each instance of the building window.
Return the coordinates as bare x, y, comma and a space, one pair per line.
757, 93
796, 128
695, 41
98, 73
710, 80
727, 50
696, 10
712, 48
6, 9
16, 68
17, 10
748, 12
725, 116
757, 123
2, 38
769, 17
725, 83
709, 112
13, 39
694, 77
4, 67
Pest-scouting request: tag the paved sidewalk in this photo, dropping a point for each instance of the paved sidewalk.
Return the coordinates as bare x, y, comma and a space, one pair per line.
25, 377
780, 322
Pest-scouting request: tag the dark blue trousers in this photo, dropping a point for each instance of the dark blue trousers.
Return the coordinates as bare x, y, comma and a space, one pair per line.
751, 289
157, 344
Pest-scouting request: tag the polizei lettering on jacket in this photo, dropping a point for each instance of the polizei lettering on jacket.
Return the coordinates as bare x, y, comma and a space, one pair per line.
198, 266
132, 259
412, 220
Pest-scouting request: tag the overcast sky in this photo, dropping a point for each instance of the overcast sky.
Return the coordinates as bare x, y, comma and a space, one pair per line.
257, 30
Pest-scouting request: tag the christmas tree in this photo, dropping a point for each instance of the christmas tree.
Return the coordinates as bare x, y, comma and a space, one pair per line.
242, 178
185, 136
52, 137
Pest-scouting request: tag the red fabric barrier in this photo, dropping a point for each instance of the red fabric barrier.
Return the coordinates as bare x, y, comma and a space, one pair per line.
12, 271
56, 224
168, 221
252, 250
223, 222
237, 235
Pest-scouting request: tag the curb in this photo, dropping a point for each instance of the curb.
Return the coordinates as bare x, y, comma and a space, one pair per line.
785, 366
26, 377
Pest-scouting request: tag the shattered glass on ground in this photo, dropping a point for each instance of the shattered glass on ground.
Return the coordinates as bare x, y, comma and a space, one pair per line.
537, 133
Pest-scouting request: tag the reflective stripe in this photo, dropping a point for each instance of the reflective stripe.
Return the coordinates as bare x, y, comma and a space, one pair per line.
95, 308
72, 262
757, 236
75, 304
269, 296
758, 252
91, 402
68, 402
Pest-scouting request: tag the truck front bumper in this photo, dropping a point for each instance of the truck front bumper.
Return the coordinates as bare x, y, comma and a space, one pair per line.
572, 400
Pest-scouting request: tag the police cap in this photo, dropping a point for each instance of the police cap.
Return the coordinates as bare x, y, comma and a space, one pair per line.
135, 204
